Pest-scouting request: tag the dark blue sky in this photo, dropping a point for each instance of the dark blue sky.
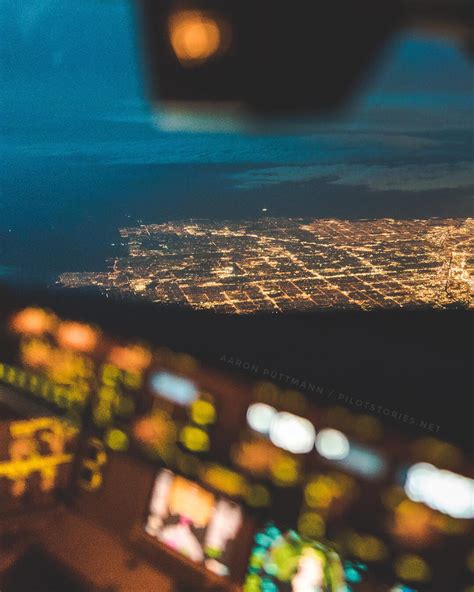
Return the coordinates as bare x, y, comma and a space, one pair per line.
82, 154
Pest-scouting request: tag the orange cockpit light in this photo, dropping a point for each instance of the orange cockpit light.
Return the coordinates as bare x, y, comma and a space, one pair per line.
33, 321
133, 358
196, 36
36, 352
77, 336
413, 523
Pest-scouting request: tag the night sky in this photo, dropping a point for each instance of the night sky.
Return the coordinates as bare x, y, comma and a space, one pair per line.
83, 156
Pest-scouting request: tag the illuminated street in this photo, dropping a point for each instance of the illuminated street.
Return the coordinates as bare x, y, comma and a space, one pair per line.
278, 264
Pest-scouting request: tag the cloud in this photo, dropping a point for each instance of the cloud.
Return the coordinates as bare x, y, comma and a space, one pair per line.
409, 177
133, 141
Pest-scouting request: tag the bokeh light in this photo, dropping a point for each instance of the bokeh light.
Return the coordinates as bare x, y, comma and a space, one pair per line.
196, 36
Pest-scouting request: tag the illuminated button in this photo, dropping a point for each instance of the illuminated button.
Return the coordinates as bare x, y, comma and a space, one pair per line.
90, 479
260, 416
441, 490
352, 575
34, 321
203, 412
174, 388
253, 583
116, 439
413, 522
224, 480
133, 380
321, 492
195, 439
292, 433
285, 471
110, 375
132, 357
36, 352
77, 336
95, 452
332, 444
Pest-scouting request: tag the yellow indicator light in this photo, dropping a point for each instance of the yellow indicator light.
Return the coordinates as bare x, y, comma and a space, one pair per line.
116, 439
252, 583
321, 492
195, 36
34, 462
95, 453
285, 471
36, 352
224, 480
412, 568
203, 412
93, 482
413, 522
311, 524
110, 375
194, 439
133, 380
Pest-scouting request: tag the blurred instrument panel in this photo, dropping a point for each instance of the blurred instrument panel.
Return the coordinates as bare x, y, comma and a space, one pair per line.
217, 481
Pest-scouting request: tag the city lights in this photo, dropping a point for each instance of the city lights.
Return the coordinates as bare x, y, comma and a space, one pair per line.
288, 264
441, 490
332, 444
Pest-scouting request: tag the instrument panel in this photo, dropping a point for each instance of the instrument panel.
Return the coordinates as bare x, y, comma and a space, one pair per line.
220, 480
